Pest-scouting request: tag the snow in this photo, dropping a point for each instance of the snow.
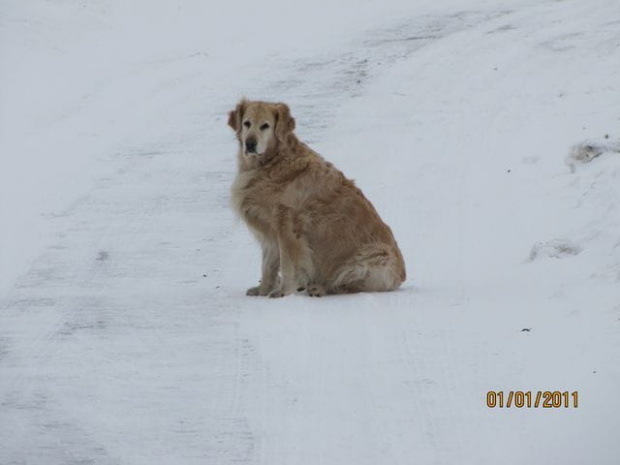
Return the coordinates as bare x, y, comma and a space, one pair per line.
125, 332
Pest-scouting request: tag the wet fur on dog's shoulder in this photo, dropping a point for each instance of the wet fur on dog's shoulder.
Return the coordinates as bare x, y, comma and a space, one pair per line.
316, 229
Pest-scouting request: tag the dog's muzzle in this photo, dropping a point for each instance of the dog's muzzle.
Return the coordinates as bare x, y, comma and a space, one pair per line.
250, 146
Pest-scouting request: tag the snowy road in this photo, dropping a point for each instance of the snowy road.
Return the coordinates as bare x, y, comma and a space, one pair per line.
129, 339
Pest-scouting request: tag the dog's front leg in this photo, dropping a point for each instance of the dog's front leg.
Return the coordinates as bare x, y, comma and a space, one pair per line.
294, 253
270, 266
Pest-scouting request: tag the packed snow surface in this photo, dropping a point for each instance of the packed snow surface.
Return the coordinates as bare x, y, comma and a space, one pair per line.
485, 133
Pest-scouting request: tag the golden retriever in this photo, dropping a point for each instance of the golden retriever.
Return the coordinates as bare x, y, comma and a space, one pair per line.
315, 227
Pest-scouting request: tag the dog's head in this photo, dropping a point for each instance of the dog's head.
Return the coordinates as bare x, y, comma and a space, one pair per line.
261, 127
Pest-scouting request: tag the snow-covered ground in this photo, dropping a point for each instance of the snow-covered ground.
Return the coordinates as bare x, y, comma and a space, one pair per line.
485, 133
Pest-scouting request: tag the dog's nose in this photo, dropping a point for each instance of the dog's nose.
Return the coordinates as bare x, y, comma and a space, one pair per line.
250, 145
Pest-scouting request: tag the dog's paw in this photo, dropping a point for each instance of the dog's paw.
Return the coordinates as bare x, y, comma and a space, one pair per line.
316, 290
276, 293
253, 291
258, 291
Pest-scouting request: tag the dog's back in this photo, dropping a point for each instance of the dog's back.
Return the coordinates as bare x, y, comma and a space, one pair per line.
353, 249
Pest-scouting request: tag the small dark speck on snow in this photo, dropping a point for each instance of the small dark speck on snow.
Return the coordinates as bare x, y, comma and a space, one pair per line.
526, 330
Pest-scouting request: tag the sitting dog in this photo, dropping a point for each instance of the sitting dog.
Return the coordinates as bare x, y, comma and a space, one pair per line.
315, 227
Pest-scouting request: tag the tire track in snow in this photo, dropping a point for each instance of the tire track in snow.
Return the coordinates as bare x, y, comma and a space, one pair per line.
316, 86
97, 302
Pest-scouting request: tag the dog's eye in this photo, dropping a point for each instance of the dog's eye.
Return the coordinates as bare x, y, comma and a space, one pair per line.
264, 126
247, 124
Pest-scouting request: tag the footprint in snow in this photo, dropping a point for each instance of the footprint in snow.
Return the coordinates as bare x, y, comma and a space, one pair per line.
555, 248
585, 152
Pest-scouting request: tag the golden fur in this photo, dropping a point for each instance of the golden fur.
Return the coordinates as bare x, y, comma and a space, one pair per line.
315, 227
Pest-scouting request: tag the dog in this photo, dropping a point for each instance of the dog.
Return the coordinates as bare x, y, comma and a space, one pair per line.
317, 231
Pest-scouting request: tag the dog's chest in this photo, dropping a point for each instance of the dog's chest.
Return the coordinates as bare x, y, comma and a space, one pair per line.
254, 197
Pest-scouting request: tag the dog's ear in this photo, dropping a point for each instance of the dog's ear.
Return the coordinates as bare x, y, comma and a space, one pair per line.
234, 117
285, 123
